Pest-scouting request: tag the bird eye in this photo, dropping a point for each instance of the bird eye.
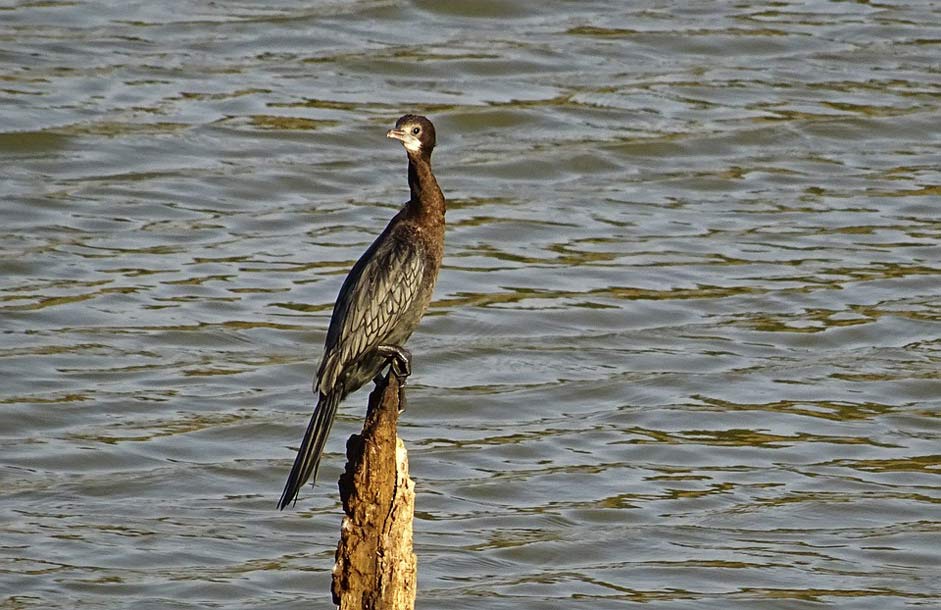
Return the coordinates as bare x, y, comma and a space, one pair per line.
416, 130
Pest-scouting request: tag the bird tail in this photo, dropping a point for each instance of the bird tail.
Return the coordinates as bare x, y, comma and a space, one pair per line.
308, 456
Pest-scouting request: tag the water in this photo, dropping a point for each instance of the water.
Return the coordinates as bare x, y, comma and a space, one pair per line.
684, 351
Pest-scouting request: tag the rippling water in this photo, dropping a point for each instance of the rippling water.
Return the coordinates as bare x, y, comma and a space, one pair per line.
684, 352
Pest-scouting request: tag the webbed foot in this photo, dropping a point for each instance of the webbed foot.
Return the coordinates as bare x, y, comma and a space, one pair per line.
400, 360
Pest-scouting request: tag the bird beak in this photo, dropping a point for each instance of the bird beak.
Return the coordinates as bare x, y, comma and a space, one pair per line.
397, 134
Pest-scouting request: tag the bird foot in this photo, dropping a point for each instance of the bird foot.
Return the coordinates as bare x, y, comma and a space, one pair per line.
400, 361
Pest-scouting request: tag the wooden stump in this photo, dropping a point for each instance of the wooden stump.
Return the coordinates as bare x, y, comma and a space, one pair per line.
375, 564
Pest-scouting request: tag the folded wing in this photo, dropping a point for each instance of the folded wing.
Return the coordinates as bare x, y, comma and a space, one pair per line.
377, 295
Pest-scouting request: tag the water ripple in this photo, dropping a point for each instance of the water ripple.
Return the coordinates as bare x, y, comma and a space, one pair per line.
683, 351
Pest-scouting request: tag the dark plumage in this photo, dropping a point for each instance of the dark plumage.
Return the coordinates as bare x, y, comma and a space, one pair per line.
382, 300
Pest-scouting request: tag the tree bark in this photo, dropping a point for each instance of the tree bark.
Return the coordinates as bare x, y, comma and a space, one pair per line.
375, 564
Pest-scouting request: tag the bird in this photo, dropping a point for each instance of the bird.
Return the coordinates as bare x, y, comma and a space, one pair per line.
381, 302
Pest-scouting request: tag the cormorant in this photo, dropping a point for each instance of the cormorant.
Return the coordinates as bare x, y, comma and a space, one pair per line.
382, 299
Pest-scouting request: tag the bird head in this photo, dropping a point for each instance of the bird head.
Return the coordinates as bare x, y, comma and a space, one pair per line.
415, 132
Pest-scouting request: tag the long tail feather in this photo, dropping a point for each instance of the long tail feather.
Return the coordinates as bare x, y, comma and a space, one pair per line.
308, 456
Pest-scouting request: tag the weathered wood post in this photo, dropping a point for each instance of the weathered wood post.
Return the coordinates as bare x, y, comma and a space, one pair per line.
375, 564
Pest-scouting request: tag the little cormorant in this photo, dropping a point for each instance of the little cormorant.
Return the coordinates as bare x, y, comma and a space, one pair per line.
382, 300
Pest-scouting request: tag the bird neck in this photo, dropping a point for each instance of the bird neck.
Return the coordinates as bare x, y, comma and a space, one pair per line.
427, 198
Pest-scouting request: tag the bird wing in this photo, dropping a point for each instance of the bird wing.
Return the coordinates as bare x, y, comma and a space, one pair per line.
380, 288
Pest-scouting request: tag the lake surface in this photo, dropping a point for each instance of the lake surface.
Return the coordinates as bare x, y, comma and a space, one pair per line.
684, 351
